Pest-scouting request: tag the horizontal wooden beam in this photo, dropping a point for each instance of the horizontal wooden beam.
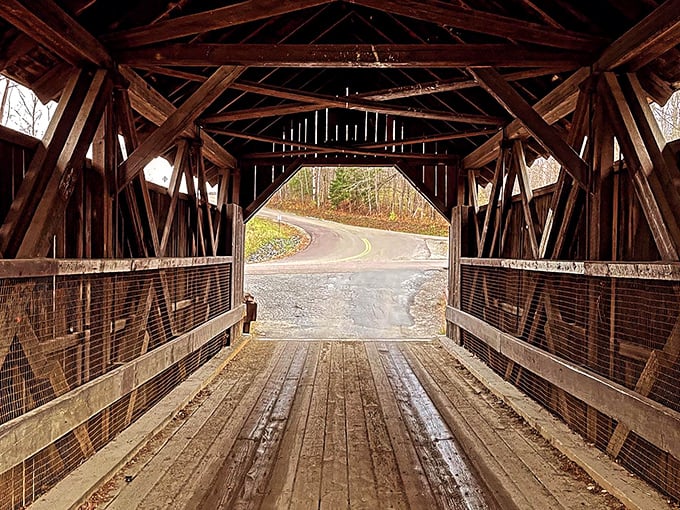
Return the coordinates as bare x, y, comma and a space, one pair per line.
654, 422
26, 435
257, 157
446, 14
432, 138
151, 105
543, 132
348, 103
208, 20
380, 56
40, 267
625, 270
50, 26
345, 160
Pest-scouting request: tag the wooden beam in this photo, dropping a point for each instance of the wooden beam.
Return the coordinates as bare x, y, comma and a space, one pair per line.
650, 38
431, 138
65, 171
173, 189
348, 103
47, 24
137, 192
177, 122
153, 106
545, 134
336, 159
556, 105
446, 14
264, 158
660, 216
492, 207
312, 148
453, 84
208, 20
260, 200
528, 207
351, 55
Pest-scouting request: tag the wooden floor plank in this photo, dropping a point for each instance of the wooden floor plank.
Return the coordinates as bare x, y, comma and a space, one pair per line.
455, 404
361, 478
360, 425
307, 488
431, 437
259, 469
390, 488
415, 482
280, 490
334, 476
458, 486
195, 490
229, 481
537, 459
164, 476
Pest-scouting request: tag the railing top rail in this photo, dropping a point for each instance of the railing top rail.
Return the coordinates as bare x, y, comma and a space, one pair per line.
29, 268
632, 270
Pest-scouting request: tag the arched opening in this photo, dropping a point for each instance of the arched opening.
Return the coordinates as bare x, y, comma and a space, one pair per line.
370, 261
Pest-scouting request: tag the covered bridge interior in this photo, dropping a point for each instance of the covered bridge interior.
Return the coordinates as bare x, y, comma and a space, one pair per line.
114, 290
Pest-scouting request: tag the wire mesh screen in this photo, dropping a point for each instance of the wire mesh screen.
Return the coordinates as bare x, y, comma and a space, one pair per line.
59, 332
626, 330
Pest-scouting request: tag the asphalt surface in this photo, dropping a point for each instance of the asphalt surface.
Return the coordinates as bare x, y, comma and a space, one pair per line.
351, 283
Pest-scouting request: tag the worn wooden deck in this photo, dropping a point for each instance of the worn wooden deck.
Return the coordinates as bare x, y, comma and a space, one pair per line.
324, 424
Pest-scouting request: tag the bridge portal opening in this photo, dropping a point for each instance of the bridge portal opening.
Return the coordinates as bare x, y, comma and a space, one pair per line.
354, 253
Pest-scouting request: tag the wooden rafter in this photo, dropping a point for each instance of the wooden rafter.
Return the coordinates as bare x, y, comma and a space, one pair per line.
473, 20
349, 103
176, 123
351, 55
213, 19
46, 23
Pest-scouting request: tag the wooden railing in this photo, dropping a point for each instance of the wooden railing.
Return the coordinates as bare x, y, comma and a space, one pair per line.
597, 343
87, 346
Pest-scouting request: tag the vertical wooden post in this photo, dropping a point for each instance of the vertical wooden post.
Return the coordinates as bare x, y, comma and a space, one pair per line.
236, 227
459, 246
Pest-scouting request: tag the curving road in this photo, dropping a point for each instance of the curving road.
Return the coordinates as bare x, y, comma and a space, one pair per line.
351, 283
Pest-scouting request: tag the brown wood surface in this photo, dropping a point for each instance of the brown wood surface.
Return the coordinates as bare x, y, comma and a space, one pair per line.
310, 424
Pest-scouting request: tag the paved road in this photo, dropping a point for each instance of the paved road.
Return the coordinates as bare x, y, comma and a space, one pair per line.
351, 283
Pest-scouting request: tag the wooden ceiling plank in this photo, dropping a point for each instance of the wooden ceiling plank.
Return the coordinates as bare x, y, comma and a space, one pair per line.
151, 105
443, 13
213, 19
352, 55
177, 122
47, 24
543, 132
